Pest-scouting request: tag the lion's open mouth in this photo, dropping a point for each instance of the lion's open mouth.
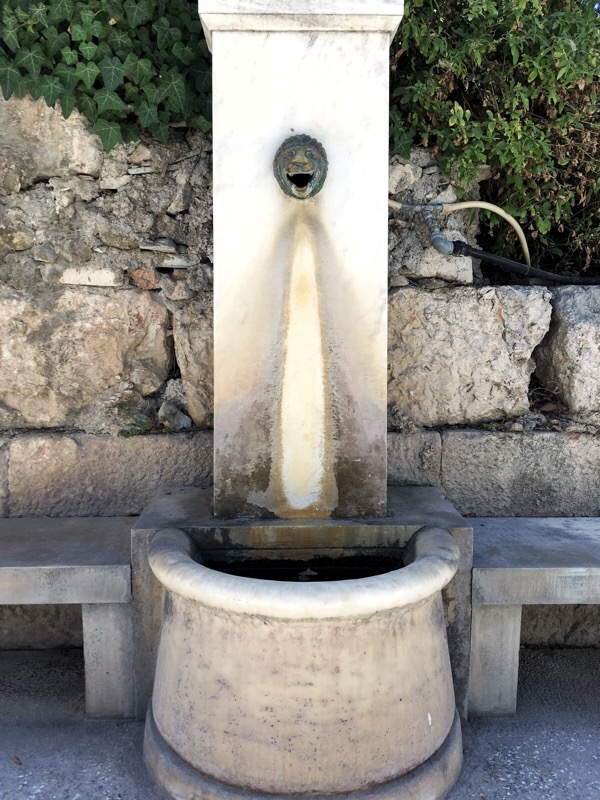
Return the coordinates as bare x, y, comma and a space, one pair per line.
300, 179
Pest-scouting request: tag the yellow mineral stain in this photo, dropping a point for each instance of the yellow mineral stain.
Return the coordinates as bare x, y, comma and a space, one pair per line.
303, 387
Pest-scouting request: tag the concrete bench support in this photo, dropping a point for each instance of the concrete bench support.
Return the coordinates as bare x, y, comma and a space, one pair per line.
85, 561
108, 655
495, 634
516, 562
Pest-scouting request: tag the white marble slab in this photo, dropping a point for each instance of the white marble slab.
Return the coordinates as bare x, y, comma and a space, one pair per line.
279, 368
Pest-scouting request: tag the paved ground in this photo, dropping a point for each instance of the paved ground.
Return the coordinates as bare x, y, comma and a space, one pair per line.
50, 751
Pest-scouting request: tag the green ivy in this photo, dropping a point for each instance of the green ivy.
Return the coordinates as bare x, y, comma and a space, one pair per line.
512, 84
127, 66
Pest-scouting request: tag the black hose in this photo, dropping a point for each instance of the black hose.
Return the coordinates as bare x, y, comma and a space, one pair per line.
465, 249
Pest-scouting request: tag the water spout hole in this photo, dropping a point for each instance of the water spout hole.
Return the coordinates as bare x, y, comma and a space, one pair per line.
300, 179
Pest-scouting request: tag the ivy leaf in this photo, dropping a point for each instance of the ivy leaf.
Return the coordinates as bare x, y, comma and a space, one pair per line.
78, 33
140, 69
109, 133
8, 32
173, 87
154, 93
88, 108
200, 123
38, 13
147, 114
137, 13
107, 100
34, 88
129, 131
32, 60
9, 78
165, 35
67, 103
160, 132
112, 72
203, 81
51, 88
87, 17
183, 52
88, 50
103, 51
67, 76
120, 42
60, 10
69, 56
131, 92
87, 72
56, 41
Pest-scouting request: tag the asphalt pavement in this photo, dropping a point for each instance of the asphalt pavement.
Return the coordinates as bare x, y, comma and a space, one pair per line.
49, 750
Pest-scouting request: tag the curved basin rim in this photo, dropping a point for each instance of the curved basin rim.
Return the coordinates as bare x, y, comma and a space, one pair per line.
435, 554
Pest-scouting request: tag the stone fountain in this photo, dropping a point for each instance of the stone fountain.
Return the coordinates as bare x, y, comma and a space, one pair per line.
303, 648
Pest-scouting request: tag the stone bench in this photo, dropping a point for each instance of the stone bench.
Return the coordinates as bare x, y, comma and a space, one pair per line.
83, 560
520, 561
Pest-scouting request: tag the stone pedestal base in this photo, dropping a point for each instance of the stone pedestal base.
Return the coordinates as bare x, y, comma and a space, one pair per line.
431, 780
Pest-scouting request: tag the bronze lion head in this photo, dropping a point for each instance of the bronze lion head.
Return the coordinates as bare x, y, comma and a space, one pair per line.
300, 166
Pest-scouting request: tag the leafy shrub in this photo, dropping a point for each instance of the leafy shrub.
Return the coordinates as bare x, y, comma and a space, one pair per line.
124, 65
513, 84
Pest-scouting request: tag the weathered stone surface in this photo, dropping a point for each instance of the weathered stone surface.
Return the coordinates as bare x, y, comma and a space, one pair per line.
463, 355
522, 474
116, 233
402, 175
569, 359
412, 257
40, 627
560, 626
60, 476
193, 337
15, 236
65, 353
144, 277
414, 459
38, 143
84, 275
172, 417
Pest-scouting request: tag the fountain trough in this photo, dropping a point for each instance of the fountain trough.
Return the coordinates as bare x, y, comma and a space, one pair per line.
303, 650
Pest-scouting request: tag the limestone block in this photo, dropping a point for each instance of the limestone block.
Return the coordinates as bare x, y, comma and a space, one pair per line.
67, 351
193, 337
463, 355
58, 475
412, 257
83, 275
38, 143
414, 459
402, 175
537, 474
569, 360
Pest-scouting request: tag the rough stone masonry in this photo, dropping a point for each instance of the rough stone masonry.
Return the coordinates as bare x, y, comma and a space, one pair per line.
106, 340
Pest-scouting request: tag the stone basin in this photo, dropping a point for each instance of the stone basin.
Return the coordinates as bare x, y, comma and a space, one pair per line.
304, 689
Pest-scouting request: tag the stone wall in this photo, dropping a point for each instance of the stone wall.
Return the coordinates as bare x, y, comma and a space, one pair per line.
106, 342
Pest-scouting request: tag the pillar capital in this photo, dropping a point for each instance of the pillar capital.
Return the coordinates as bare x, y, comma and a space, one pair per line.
381, 16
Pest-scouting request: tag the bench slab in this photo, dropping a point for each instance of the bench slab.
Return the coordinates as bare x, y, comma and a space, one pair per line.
522, 561
87, 561
536, 561
65, 560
